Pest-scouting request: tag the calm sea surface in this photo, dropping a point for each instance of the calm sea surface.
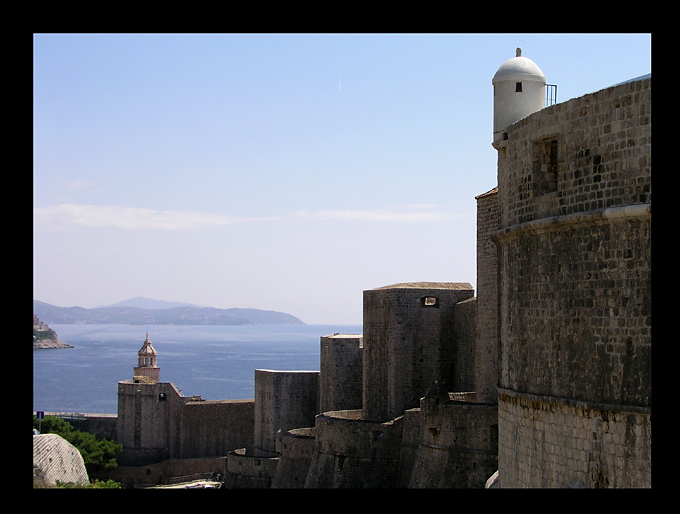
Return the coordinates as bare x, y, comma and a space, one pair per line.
215, 362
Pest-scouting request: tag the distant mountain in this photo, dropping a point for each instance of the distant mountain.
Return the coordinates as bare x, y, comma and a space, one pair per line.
159, 313
147, 303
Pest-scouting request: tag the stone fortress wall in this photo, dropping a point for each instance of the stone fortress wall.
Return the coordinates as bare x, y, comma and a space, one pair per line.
286, 440
409, 343
341, 372
575, 293
155, 422
284, 400
541, 380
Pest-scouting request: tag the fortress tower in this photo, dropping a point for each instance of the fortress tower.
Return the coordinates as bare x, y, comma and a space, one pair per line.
146, 362
574, 283
519, 90
409, 343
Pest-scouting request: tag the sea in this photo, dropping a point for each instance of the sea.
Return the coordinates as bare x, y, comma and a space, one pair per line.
215, 362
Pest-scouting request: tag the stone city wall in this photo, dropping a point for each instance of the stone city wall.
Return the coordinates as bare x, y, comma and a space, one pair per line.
213, 428
351, 452
284, 400
552, 442
458, 446
575, 292
409, 343
486, 330
155, 422
584, 154
148, 427
56, 461
169, 471
463, 368
341, 372
295, 449
577, 313
250, 470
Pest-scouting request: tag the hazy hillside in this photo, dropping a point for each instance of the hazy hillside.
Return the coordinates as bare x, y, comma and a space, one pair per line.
164, 313
147, 303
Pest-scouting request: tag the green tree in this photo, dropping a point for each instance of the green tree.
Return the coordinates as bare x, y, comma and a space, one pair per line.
108, 484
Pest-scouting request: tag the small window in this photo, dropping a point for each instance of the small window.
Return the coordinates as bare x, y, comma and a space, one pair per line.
493, 435
518, 87
430, 301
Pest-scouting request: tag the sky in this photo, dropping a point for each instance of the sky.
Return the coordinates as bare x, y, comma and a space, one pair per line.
285, 172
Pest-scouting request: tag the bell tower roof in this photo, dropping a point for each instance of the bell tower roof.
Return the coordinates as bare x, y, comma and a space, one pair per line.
147, 348
147, 365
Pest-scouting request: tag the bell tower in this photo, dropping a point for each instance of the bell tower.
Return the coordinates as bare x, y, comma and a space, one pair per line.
518, 91
146, 362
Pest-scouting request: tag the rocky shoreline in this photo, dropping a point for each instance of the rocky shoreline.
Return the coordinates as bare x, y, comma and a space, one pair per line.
50, 343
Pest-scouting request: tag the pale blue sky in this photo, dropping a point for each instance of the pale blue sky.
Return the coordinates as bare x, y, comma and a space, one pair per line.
287, 172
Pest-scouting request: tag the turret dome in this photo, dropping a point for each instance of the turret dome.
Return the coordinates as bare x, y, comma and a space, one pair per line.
518, 68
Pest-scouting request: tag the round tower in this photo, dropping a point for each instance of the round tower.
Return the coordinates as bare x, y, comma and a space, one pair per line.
519, 90
146, 362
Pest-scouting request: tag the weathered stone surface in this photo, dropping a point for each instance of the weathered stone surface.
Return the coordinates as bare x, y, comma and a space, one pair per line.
56, 461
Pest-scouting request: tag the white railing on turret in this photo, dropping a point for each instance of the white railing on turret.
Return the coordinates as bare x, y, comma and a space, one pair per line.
550, 94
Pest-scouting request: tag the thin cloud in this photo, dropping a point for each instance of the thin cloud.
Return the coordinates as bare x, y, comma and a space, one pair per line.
135, 218
80, 184
410, 214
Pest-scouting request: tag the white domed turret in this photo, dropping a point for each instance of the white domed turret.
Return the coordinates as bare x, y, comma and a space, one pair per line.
519, 90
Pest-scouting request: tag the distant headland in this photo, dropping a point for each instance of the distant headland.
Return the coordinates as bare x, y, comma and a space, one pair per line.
145, 311
45, 337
